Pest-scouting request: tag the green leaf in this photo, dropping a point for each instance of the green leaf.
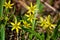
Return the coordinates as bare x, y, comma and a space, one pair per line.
2, 32
1, 7
55, 34
31, 36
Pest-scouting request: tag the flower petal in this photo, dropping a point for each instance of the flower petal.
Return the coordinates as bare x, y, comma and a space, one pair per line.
18, 23
35, 6
9, 2
31, 4
26, 15
17, 30
13, 28
19, 27
29, 11
12, 23
5, 3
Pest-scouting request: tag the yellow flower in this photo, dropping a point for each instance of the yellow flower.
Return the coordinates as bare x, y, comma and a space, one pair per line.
30, 17
46, 23
32, 8
48, 19
16, 26
8, 5
26, 25
43, 22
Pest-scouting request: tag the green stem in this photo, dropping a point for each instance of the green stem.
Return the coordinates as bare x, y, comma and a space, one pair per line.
7, 11
48, 36
33, 24
2, 32
34, 21
1, 7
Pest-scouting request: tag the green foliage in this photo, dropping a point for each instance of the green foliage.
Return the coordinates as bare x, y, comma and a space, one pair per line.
2, 31
31, 36
39, 36
55, 34
2, 27
39, 6
1, 7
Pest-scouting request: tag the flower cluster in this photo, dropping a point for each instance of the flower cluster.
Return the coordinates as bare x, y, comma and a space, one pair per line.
30, 13
46, 22
30, 16
17, 25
